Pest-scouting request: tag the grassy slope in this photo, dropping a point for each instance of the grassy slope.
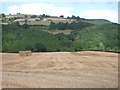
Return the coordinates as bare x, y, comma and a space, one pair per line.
97, 21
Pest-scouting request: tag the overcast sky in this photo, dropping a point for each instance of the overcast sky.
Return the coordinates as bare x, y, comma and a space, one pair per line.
89, 9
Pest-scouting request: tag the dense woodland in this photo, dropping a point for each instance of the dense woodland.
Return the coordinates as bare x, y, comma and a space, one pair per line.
99, 35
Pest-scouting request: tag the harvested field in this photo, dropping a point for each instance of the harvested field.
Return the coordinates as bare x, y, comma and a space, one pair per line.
61, 70
59, 31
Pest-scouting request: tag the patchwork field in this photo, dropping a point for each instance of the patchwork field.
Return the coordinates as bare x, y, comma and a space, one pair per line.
60, 70
46, 22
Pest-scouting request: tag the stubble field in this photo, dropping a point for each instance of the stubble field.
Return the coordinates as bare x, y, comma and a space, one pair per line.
86, 69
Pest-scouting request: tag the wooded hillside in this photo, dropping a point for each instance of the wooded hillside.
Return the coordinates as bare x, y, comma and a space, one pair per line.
86, 35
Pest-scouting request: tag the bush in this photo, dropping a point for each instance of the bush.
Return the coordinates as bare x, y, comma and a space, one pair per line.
40, 47
26, 26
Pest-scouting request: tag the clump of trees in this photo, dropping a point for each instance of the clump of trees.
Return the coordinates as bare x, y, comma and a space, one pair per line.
75, 17
71, 26
44, 16
62, 16
34, 16
3, 17
40, 16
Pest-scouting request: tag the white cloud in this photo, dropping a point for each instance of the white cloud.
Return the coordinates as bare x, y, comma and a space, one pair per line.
40, 8
51, 9
110, 15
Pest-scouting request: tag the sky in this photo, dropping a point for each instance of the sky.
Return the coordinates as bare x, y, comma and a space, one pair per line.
89, 9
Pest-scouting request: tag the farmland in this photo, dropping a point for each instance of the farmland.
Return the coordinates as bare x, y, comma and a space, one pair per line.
61, 69
64, 54
45, 22
39, 23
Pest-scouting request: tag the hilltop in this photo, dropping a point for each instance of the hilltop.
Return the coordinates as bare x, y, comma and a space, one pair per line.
35, 19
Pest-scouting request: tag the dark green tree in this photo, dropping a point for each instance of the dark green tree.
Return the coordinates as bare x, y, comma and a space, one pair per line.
40, 47
34, 16
52, 26
62, 16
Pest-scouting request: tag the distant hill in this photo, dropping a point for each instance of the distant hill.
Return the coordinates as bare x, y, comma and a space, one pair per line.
84, 35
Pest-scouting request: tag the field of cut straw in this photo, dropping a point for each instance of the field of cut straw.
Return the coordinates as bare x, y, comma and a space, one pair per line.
86, 69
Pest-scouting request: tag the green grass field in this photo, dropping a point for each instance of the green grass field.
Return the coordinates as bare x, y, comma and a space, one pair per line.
97, 21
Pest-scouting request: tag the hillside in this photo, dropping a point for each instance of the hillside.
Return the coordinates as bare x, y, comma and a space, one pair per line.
85, 34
